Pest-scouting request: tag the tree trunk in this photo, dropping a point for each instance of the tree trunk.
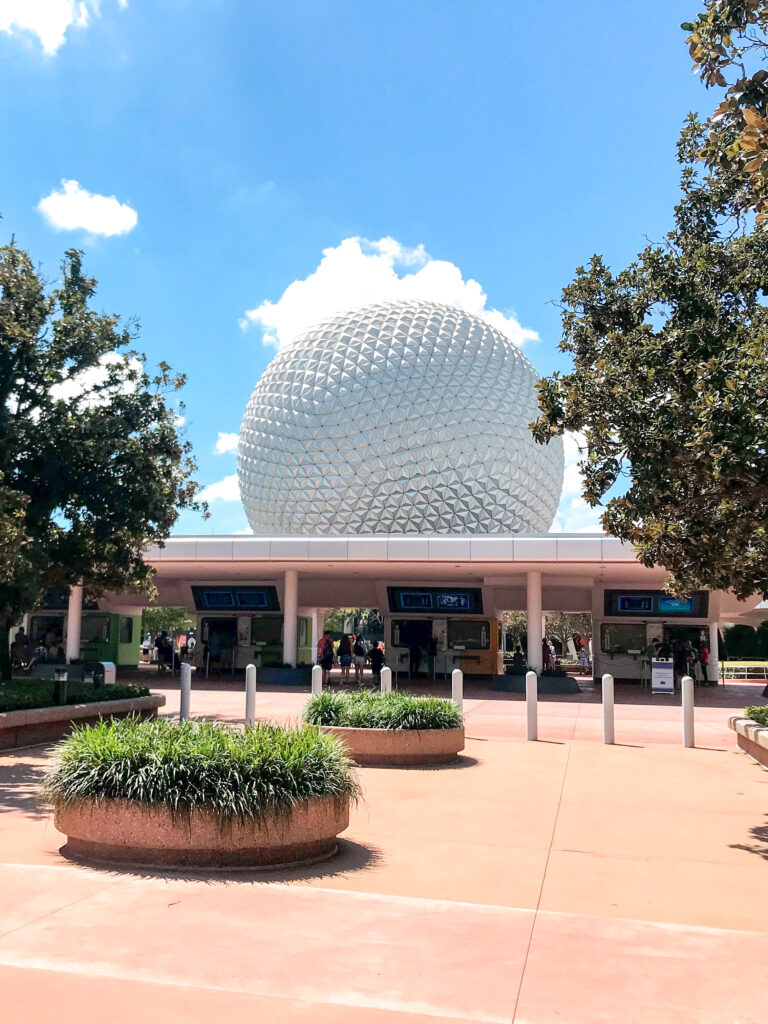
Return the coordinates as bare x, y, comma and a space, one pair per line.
5, 646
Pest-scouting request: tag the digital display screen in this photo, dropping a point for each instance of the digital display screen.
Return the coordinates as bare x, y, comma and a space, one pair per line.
453, 602
655, 604
676, 606
631, 603
416, 602
251, 599
246, 598
445, 600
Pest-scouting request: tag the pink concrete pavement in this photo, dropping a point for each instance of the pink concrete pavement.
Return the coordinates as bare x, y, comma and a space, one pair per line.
557, 881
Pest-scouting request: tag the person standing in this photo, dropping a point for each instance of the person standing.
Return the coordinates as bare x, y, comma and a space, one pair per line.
358, 652
377, 662
546, 656
344, 654
325, 655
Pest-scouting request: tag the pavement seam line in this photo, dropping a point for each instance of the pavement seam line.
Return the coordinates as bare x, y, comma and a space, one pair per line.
537, 908
57, 910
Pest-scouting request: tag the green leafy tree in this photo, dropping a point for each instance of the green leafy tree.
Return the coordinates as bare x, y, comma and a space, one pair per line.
515, 626
172, 620
562, 626
92, 467
728, 42
670, 390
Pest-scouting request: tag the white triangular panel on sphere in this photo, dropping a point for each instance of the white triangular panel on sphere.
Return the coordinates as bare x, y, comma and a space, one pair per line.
405, 417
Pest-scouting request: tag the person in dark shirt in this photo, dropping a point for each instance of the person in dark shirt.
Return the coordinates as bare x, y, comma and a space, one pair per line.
377, 662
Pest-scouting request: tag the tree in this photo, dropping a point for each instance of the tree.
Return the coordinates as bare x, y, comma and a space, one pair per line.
92, 468
172, 620
563, 626
366, 620
516, 626
725, 42
670, 390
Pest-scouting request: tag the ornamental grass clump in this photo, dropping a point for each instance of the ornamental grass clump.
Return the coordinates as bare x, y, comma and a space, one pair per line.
198, 765
758, 714
369, 709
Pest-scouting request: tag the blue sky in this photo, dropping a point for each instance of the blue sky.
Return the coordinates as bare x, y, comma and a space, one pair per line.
500, 143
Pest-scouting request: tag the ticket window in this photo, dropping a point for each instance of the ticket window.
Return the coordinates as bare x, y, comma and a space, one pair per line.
469, 635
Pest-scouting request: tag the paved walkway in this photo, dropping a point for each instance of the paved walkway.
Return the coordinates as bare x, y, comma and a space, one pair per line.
559, 881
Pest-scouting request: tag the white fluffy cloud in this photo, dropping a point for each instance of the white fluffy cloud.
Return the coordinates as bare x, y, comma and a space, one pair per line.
49, 20
358, 272
226, 443
223, 490
573, 514
72, 208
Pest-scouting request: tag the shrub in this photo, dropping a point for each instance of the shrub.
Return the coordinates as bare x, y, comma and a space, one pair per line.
201, 765
38, 693
369, 709
759, 715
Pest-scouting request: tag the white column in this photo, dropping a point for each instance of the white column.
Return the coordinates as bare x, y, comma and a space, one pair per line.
74, 621
686, 687
313, 618
533, 593
250, 695
531, 706
290, 616
713, 668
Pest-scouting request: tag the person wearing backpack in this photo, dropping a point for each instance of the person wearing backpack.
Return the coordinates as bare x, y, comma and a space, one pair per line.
358, 650
377, 662
325, 655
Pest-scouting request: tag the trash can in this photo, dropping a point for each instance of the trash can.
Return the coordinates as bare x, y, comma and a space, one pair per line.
109, 672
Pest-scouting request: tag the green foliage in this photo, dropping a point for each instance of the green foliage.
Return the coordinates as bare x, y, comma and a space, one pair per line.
669, 390
201, 765
740, 641
727, 43
172, 620
369, 709
38, 693
92, 468
364, 620
759, 715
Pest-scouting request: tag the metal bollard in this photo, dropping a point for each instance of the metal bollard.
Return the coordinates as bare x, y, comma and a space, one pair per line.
317, 679
531, 706
457, 687
608, 716
186, 692
687, 691
250, 695
386, 680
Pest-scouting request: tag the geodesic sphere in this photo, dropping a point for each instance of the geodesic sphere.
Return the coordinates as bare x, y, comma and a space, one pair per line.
406, 417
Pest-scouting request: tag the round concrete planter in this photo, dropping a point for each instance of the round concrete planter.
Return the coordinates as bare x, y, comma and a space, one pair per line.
407, 747
122, 832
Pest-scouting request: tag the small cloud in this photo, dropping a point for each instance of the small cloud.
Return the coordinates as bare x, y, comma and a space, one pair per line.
358, 272
179, 421
49, 20
73, 208
223, 490
239, 533
226, 443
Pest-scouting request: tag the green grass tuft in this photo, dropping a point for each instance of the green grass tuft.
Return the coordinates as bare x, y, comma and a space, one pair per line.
369, 709
759, 715
237, 775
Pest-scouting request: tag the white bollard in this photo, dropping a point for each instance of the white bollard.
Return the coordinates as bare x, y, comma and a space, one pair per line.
250, 695
531, 706
457, 687
317, 679
687, 689
386, 680
608, 718
186, 692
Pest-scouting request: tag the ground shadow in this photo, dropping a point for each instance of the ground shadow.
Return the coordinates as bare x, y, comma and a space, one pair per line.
760, 848
20, 789
349, 857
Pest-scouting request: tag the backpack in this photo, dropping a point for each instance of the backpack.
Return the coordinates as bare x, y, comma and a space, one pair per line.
328, 648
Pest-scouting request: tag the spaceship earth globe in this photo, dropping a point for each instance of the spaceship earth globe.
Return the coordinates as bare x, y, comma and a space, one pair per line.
404, 417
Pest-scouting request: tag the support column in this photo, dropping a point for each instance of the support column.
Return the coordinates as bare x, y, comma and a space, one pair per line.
74, 621
533, 595
713, 668
315, 639
290, 616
